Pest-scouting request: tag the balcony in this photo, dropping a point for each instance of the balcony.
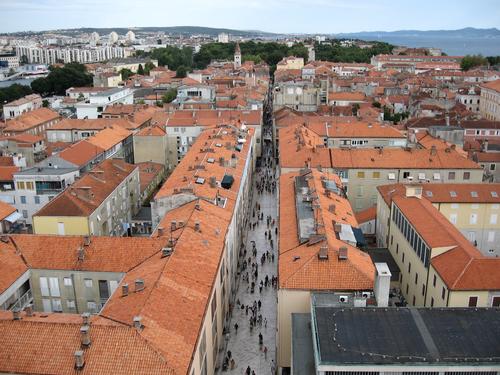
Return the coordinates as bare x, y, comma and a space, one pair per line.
23, 301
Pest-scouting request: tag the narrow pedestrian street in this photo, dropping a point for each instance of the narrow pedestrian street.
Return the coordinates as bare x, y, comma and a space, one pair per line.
254, 313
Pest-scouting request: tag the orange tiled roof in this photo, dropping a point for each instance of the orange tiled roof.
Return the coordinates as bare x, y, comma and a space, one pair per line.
462, 267
447, 193
366, 215
108, 138
7, 173
87, 194
147, 172
31, 119
299, 265
81, 153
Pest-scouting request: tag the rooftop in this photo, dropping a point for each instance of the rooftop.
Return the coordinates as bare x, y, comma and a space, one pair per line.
87, 194
411, 336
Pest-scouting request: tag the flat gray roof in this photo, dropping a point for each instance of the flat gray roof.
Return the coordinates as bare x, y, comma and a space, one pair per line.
423, 336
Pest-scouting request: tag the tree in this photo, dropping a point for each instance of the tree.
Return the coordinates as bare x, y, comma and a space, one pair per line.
45, 103
472, 61
355, 109
376, 104
169, 96
126, 73
13, 92
148, 67
62, 78
181, 72
140, 70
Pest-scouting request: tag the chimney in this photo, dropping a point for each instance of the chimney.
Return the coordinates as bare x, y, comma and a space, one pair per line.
137, 322
85, 335
433, 150
382, 284
29, 310
139, 285
79, 361
86, 240
447, 120
16, 313
343, 253
86, 318
160, 231
81, 254
380, 150
337, 227
331, 208
197, 226
173, 225
166, 251
323, 253
124, 290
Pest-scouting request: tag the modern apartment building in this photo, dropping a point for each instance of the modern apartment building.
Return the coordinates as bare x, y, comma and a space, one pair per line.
472, 208
34, 122
101, 203
97, 103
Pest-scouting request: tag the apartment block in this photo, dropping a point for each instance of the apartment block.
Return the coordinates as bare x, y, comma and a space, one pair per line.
472, 208
34, 122
100, 203
439, 265
25, 104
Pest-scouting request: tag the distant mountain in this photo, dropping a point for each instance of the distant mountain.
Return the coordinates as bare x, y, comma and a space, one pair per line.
184, 30
468, 32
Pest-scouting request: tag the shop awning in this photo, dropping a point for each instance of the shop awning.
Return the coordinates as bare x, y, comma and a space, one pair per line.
13, 217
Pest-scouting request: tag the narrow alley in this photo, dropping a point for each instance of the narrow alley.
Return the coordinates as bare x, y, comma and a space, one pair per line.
251, 348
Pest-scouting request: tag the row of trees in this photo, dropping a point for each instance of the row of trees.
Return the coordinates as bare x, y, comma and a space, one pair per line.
337, 53
60, 79
13, 92
473, 61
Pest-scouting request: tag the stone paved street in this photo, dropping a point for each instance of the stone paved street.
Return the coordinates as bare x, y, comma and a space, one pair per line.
244, 345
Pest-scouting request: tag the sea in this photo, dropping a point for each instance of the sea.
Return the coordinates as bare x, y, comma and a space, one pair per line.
450, 46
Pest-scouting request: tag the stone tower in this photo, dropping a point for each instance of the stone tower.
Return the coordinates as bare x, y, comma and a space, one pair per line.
237, 56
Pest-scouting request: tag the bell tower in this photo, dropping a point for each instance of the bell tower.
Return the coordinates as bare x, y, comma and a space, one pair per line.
237, 56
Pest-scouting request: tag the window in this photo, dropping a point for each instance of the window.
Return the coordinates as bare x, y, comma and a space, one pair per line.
492, 167
376, 174
406, 174
466, 175
29, 185
70, 304
495, 302
421, 176
416, 278
493, 218
473, 301
403, 258
47, 306
443, 293
23, 199
473, 194
473, 219
68, 281
391, 176
407, 288
413, 303
494, 194
54, 287
432, 301
491, 236
20, 185
451, 175
397, 248
44, 287
25, 214
37, 199
453, 218
436, 176
361, 175
91, 306
87, 283
56, 305
453, 194
409, 267
423, 289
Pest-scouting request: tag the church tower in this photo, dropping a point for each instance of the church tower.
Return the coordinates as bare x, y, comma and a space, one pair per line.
237, 56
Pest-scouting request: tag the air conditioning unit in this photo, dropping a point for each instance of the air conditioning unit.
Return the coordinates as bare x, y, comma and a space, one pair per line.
344, 299
366, 294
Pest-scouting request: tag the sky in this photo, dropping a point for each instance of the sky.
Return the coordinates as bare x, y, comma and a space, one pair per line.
281, 16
